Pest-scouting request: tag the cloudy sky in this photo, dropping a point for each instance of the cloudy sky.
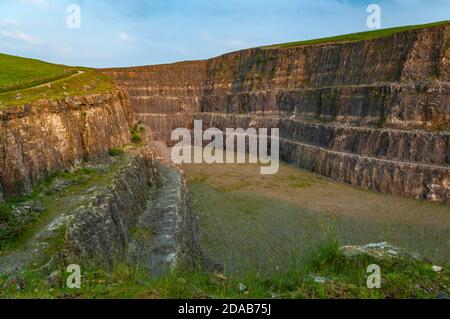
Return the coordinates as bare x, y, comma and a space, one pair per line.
139, 32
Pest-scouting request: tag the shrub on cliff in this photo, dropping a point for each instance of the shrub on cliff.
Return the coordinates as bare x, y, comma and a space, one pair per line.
116, 151
135, 138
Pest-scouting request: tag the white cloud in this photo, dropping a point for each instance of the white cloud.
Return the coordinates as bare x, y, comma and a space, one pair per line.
21, 36
124, 37
40, 3
8, 21
68, 49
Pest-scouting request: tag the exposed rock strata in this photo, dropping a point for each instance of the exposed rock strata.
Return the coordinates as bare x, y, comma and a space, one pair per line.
51, 135
143, 217
371, 113
401, 81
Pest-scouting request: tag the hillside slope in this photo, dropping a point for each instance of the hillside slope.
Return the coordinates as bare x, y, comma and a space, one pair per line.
21, 73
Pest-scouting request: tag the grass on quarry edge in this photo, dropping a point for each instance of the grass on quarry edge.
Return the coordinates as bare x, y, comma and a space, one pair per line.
19, 73
90, 82
353, 37
347, 278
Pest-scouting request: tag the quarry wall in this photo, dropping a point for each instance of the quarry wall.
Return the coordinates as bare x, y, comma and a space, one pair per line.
371, 113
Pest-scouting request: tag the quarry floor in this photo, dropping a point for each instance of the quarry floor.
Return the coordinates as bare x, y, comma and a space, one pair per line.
268, 223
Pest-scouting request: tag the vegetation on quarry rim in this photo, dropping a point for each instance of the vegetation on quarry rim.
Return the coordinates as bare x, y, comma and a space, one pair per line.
355, 37
80, 84
24, 80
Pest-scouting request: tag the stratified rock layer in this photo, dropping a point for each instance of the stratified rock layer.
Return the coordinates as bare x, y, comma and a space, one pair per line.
51, 135
372, 113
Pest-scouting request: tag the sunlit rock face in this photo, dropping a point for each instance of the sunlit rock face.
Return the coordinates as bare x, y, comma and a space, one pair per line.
48, 136
372, 113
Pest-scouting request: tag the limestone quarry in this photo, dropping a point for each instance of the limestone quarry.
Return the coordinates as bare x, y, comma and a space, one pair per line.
364, 141
373, 114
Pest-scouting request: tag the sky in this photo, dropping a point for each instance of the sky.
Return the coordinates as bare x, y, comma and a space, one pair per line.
110, 33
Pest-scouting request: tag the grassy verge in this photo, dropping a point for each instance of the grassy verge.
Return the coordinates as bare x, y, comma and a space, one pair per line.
344, 278
353, 37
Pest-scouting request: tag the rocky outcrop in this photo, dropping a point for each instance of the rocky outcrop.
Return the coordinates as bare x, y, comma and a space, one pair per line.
143, 217
101, 229
46, 136
378, 251
372, 113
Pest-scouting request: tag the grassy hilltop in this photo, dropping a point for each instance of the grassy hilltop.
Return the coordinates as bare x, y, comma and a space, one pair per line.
21, 73
24, 80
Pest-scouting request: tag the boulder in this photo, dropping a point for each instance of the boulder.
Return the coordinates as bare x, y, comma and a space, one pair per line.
378, 250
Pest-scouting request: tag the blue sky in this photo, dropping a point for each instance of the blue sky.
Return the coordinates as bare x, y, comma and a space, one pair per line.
140, 32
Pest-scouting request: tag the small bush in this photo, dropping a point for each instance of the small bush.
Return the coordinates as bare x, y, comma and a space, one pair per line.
135, 138
116, 152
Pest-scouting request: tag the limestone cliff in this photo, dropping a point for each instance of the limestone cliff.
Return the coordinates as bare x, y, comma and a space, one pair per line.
372, 113
46, 136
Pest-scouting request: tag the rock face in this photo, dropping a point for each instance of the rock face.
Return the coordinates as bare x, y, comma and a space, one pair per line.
48, 136
372, 113
143, 217
101, 229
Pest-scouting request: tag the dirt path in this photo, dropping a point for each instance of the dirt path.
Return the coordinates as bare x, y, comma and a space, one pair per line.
49, 83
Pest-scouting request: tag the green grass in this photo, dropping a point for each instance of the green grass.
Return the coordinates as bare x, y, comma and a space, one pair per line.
20, 73
90, 82
268, 222
116, 151
353, 37
401, 278
136, 133
24, 80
